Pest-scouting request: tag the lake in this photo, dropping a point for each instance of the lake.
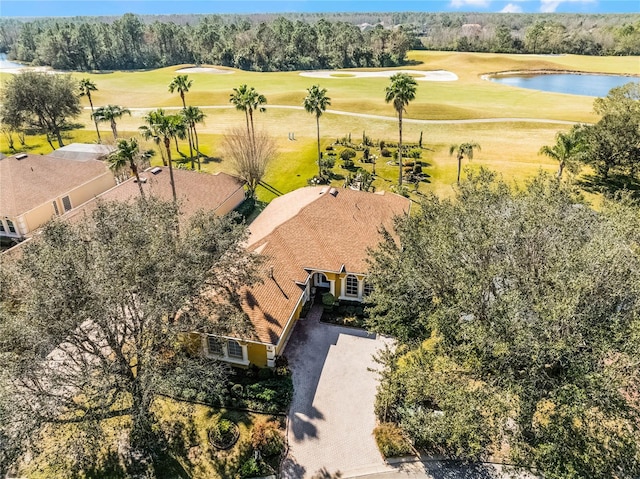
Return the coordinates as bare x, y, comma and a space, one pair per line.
6, 64
569, 83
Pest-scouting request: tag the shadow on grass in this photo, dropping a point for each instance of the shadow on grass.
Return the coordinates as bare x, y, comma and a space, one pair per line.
210, 159
611, 185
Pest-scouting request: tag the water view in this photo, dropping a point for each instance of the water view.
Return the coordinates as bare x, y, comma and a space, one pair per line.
6, 64
572, 84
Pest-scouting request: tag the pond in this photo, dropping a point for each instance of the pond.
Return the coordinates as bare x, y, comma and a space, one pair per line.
6, 64
569, 83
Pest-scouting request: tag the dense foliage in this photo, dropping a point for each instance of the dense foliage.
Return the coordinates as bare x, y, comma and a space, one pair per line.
89, 328
40, 102
517, 313
305, 41
612, 145
128, 43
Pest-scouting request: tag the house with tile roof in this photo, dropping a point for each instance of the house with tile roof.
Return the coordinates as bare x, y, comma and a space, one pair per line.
314, 240
220, 192
35, 188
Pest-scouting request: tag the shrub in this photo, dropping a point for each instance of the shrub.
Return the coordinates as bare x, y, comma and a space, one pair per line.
329, 148
237, 390
348, 164
224, 434
246, 208
250, 468
267, 438
189, 394
347, 154
417, 169
328, 301
385, 153
265, 373
391, 440
282, 361
415, 153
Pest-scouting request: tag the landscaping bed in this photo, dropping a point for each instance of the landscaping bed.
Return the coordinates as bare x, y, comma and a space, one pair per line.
345, 313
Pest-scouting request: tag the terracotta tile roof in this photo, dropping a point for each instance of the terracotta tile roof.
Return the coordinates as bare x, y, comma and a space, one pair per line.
314, 229
36, 179
195, 190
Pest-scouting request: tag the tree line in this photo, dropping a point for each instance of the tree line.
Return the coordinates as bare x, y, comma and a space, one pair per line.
305, 41
129, 43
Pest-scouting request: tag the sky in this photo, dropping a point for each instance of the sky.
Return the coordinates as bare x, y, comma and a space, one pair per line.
58, 8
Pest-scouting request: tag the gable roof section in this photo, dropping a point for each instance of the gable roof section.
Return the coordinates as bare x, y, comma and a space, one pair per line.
313, 229
195, 190
29, 182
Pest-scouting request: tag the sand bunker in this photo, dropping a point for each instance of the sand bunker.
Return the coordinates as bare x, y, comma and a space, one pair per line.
419, 75
215, 71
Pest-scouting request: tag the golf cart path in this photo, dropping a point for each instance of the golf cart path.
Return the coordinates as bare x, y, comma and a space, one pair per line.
378, 117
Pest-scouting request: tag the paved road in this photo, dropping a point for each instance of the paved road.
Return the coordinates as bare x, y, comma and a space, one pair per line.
379, 117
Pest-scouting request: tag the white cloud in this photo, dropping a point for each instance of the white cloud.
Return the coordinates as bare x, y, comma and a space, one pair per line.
550, 6
473, 3
511, 8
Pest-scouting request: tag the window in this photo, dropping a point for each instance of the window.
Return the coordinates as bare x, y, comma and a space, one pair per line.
55, 208
352, 286
368, 288
2, 230
234, 350
66, 202
215, 346
12, 229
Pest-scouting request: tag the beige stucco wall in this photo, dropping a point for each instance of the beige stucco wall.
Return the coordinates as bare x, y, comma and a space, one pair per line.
89, 190
231, 203
39, 215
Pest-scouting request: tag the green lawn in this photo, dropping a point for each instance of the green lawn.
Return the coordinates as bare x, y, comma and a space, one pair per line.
508, 147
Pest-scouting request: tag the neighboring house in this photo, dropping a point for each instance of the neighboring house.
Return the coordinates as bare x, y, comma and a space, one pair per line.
83, 151
314, 240
220, 193
35, 188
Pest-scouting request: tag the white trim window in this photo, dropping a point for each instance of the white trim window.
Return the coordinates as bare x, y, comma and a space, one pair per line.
225, 349
12, 227
351, 286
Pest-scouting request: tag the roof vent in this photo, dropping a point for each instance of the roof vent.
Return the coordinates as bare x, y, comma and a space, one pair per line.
21, 156
156, 170
323, 191
142, 180
333, 192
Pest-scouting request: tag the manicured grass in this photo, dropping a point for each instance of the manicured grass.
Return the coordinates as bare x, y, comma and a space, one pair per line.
508, 147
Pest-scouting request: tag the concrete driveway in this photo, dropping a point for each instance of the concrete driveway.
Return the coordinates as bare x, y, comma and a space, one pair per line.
331, 417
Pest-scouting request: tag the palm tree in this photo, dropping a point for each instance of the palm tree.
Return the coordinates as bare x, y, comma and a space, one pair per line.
163, 128
181, 84
568, 148
193, 116
463, 149
111, 113
401, 91
127, 155
86, 87
247, 99
316, 102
